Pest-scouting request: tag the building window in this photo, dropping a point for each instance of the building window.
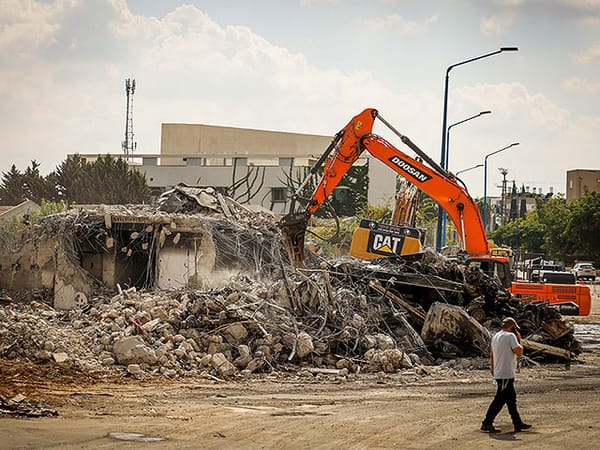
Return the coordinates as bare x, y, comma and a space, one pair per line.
570, 184
278, 195
286, 162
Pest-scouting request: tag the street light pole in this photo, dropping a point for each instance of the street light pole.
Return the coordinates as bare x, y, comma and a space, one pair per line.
453, 125
470, 168
444, 216
438, 236
485, 182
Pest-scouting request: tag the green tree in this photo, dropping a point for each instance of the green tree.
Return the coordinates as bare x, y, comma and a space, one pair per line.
106, 180
11, 190
554, 214
351, 194
521, 234
562, 230
428, 210
112, 182
19, 186
582, 232
71, 180
346, 200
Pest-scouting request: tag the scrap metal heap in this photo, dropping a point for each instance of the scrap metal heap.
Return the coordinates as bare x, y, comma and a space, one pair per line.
336, 316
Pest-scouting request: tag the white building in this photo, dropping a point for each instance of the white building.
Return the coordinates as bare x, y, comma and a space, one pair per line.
259, 163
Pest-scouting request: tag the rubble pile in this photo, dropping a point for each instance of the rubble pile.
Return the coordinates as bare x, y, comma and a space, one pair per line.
339, 316
336, 318
245, 327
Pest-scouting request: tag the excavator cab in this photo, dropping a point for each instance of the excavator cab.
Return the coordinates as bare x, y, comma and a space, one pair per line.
496, 267
371, 240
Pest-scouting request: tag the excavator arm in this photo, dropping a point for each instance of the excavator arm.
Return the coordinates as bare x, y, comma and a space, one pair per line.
345, 149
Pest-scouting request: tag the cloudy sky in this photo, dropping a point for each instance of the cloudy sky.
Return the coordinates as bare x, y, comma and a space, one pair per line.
307, 66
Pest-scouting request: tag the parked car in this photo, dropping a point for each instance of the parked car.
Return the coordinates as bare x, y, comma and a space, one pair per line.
584, 271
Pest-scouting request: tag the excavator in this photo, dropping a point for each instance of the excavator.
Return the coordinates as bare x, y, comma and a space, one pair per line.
377, 240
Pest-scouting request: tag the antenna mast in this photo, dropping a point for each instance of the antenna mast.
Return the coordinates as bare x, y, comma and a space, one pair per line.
128, 145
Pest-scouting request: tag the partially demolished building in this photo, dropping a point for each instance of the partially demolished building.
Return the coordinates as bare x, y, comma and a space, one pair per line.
170, 246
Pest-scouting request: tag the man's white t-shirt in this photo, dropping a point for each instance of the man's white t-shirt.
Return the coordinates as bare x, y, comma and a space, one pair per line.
505, 360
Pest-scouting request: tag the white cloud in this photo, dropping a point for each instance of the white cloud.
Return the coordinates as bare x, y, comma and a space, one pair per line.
316, 2
25, 26
589, 5
495, 25
583, 12
68, 96
581, 86
65, 92
552, 139
401, 25
589, 55
510, 3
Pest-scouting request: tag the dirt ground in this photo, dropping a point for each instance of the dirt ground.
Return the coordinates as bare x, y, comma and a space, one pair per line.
285, 411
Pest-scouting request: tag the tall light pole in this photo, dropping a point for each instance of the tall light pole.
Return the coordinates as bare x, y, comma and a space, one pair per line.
438, 236
469, 168
444, 216
485, 181
482, 113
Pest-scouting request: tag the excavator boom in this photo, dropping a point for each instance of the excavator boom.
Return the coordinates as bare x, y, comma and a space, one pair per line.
346, 148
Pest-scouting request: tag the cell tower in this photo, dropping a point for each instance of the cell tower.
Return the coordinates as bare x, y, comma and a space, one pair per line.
128, 145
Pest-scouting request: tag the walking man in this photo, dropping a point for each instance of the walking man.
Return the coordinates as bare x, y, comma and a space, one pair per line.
506, 349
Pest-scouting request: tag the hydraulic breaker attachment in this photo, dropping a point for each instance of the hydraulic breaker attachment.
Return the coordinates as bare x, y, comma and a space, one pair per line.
293, 228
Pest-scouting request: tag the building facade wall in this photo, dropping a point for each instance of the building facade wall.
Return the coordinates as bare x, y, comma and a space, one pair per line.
581, 180
205, 155
228, 141
258, 184
282, 154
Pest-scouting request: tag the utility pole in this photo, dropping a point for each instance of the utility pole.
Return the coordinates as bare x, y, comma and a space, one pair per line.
504, 172
128, 145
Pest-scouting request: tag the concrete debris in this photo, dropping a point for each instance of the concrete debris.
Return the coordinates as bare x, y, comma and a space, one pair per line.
133, 350
452, 326
17, 406
135, 437
184, 198
59, 357
249, 326
337, 317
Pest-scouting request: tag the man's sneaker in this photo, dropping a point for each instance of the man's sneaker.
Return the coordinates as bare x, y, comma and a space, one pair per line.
490, 429
523, 426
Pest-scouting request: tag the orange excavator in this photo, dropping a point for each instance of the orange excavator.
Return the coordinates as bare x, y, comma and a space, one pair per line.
376, 240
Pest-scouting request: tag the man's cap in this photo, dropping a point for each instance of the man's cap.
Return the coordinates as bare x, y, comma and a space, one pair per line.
510, 321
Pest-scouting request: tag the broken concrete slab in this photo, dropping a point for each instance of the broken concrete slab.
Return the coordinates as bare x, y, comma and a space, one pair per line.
223, 366
452, 324
60, 357
132, 350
